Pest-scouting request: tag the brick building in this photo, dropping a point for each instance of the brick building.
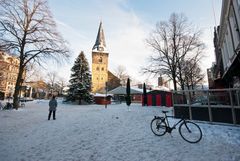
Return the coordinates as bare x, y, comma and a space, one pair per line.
8, 73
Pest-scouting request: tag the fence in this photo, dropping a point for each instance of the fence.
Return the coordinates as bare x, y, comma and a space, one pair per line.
214, 105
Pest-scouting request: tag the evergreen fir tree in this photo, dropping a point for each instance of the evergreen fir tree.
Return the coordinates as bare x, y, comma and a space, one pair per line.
80, 81
128, 92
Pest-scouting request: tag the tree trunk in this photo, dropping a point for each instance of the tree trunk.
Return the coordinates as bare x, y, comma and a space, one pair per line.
174, 81
144, 95
182, 83
180, 76
192, 85
80, 101
18, 87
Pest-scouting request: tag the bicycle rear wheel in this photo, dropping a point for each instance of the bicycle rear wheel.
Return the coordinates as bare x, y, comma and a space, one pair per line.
158, 126
190, 132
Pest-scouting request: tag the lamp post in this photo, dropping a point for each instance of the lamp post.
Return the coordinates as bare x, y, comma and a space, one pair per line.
106, 88
20, 89
27, 91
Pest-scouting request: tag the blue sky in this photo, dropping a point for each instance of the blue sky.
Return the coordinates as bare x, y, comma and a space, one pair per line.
127, 24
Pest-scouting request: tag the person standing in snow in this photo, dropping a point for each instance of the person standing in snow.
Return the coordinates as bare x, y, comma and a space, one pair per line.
52, 108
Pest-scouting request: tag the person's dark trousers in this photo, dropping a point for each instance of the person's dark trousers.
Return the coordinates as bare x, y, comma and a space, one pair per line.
54, 112
50, 113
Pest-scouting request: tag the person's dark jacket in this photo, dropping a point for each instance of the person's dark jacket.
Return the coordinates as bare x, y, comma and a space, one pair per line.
52, 105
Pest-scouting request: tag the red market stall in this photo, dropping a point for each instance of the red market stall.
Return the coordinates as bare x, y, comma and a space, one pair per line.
159, 98
101, 99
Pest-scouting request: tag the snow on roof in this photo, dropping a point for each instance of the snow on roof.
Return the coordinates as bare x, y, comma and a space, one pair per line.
101, 95
102, 51
122, 90
100, 44
161, 88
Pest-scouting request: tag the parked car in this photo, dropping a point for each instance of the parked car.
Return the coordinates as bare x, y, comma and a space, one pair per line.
204, 101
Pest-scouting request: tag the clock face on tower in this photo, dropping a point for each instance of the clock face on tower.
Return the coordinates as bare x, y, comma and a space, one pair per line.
100, 60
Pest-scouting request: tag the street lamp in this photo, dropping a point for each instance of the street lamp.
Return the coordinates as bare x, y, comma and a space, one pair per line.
21, 82
27, 91
106, 88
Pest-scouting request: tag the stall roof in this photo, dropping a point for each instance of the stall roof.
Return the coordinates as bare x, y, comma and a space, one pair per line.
122, 90
102, 95
158, 91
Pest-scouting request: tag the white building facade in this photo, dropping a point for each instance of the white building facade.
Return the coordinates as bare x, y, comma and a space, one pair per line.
227, 45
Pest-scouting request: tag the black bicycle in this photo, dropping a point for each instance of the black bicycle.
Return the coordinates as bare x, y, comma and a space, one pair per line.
188, 130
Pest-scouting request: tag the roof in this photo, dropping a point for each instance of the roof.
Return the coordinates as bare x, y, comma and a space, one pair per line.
122, 90
161, 88
158, 92
101, 95
100, 44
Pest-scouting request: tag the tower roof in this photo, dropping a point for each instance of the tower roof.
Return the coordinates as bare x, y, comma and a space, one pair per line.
100, 44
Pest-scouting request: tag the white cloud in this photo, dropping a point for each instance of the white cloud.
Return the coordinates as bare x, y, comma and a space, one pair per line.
124, 34
127, 47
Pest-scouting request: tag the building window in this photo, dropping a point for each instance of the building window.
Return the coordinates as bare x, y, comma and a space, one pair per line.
234, 27
102, 69
224, 55
97, 68
229, 43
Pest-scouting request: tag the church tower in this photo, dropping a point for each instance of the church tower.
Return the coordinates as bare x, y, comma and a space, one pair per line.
99, 63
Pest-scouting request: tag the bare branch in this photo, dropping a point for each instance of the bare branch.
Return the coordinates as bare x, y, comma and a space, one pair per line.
27, 28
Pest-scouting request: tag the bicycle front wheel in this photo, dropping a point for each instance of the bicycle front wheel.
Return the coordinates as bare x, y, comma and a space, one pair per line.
190, 132
158, 126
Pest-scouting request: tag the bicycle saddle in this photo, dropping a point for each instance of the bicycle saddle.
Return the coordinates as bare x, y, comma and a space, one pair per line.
165, 111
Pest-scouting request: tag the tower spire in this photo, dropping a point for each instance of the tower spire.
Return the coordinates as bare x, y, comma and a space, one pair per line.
100, 44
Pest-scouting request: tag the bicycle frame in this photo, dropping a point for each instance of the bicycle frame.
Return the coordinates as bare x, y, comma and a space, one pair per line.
174, 125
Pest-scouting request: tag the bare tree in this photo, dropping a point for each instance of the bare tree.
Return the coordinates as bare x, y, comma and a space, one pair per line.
62, 83
173, 41
27, 28
121, 73
52, 77
193, 74
55, 82
189, 72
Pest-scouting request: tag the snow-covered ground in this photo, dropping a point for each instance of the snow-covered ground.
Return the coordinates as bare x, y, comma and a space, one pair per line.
93, 133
